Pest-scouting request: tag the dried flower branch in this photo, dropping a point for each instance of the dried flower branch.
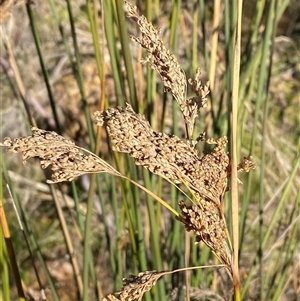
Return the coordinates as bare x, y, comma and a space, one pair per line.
209, 227
167, 156
194, 104
171, 158
167, 66
66, 160
159, 58
135, 287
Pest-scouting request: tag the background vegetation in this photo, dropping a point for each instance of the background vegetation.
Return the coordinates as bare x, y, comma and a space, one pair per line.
63, 60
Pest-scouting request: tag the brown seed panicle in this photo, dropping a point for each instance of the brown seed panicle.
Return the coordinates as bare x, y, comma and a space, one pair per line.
135, 287
167, 66
167, 156
159, 58
65, 159
208, 227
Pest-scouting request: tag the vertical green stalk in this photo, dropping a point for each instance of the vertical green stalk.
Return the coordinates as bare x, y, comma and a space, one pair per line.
204, 40
113, 52
92, 12
155, 237
214, 44
4, 268
68, 240
87, 235
79, 77
150, 80
62, 33
270, 35
87, 261
174, 26
289, 253
126, 53
43, 65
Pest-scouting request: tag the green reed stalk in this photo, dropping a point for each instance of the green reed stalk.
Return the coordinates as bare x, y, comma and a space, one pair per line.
272, 25
79, 77
113, 52
87, 265
153, 213
58, 21
5, 288
124, 38
43, 66
194, 58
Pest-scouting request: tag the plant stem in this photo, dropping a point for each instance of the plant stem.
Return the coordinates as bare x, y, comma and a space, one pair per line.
234, 179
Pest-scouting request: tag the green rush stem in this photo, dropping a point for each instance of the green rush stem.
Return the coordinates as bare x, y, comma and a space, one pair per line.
43, 65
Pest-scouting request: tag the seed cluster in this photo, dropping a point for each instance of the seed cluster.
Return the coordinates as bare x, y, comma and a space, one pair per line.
165, 155
159, 58
135, 287
171, 158
66, 160
170, 71
208, 227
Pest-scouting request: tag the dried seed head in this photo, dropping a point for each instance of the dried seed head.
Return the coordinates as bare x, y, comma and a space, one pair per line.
194, 104
165, 155
135, 287
159, 58
65, 159
247, 164
167, 66
173, 159
208, 227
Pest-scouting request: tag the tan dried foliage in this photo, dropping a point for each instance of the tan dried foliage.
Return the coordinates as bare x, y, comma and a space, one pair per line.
66, 160
5, 7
